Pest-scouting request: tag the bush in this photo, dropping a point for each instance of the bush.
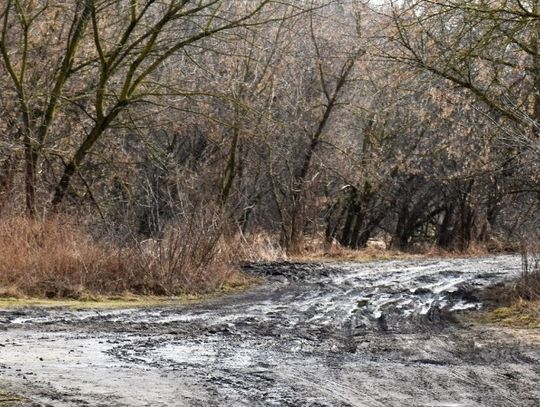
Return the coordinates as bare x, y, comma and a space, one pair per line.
58, 258
191, 257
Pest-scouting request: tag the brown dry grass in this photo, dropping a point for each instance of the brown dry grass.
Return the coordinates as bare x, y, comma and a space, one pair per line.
9, 399
259, 247
520, 314
56, 258
263, 247
339, 253
474, 250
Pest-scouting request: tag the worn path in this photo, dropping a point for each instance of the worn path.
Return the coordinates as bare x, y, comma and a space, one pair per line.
374, 334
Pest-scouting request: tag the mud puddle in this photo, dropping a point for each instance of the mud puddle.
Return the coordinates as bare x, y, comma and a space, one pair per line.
374, 334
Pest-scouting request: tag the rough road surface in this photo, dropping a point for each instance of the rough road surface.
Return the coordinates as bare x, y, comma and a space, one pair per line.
376, 334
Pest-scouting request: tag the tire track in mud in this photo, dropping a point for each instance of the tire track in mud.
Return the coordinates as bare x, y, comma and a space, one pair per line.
342, 334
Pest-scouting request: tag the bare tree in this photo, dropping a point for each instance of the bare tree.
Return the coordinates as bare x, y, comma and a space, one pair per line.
105, 57
488, 49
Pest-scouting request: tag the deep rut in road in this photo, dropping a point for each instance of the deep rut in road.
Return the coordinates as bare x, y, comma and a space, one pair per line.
343, 334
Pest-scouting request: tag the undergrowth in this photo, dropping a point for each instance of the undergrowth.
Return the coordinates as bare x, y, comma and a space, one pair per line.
59, 258
56, 258
517, 314
528, 284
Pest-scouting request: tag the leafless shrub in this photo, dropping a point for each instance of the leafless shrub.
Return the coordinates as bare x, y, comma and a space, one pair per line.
57, 258
528, 285
192, 256
53, 258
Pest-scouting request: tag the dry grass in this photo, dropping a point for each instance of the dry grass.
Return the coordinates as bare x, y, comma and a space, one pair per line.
56, 258
191, 257
263, 247
8, 399
520, 314
339, 253
474, 250
377, 249
236, 283
259, 247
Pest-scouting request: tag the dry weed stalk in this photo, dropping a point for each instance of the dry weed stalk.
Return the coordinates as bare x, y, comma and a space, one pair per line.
528, 285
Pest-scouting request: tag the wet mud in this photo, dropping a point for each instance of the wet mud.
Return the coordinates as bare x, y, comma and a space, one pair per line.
343, 334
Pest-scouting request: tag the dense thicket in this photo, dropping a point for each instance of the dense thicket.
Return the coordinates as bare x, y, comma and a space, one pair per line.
414, 121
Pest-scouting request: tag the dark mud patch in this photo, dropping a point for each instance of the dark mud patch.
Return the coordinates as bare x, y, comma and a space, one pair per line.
334, 334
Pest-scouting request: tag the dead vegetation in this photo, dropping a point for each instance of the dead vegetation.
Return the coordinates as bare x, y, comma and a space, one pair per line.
528, 285
263, 247
56, 258
272, 129
10, 399
520, 314
515, 304
374, 250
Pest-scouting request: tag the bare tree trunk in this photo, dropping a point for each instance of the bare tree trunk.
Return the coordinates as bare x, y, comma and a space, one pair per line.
73, 165
30, 163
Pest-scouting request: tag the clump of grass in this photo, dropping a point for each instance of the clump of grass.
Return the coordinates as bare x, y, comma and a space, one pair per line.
515, 304
192, 256
473, 250
258, 247
56, 258
339, 253
520, 314
9, 398
53, 258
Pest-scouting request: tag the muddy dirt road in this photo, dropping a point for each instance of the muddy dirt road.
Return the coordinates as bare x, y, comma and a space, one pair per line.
377, 334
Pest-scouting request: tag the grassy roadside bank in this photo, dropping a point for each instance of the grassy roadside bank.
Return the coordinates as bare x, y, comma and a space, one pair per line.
58, 263
506, 306
99, 303
58, 258
127, 300
235, 284
519, 314
361, 256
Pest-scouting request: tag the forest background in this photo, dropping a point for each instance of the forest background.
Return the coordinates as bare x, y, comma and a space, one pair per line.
148, 146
